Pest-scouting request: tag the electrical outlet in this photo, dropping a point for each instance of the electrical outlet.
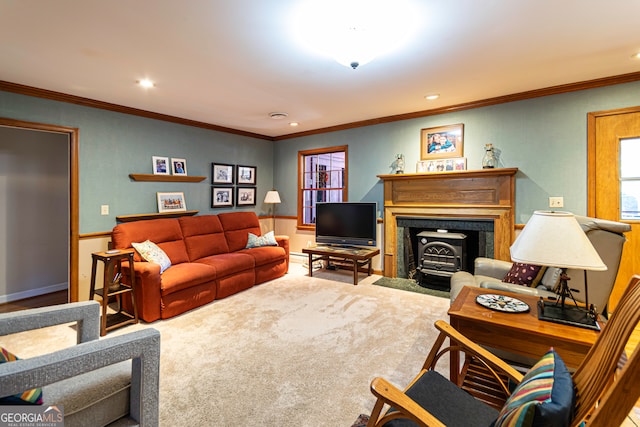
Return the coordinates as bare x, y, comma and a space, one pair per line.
556, 202
104, 210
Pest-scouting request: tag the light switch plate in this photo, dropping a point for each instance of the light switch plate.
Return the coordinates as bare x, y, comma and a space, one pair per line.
104, 210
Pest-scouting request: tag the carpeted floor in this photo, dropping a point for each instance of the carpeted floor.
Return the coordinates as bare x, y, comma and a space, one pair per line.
296, 351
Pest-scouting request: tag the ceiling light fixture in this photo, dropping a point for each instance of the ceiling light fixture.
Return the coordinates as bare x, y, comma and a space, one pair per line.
294, 124
432, 97
354, 32
278, 116
146, 83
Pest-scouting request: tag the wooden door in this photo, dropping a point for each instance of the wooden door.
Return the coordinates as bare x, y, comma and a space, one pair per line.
610, 132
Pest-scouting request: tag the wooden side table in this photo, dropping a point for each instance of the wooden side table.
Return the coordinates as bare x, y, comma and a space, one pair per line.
113, 286
520, 333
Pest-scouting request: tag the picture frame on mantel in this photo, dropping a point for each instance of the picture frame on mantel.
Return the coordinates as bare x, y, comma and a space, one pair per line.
442, 142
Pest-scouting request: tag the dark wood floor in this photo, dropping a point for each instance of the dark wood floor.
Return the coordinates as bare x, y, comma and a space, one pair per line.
53, 298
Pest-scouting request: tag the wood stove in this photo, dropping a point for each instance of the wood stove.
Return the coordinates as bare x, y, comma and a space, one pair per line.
440, 253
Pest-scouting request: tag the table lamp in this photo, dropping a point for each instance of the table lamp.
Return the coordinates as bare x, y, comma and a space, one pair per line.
555, 239
272, 197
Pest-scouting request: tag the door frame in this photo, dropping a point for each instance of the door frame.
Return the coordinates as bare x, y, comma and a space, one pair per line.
74, 233
591, 152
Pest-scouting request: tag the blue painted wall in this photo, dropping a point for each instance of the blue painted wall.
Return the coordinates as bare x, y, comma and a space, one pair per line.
113, 145
546, 138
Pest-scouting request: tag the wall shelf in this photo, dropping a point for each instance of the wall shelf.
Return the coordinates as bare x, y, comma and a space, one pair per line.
139, 217
165, 178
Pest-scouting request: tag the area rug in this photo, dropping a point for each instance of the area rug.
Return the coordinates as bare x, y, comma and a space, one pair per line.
409, 285
296, 351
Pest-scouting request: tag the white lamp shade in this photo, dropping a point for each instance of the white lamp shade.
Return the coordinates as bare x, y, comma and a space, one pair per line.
555, 239
272, 197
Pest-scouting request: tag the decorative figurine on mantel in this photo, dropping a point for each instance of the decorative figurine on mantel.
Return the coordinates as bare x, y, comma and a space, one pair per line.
489, 160
399, 163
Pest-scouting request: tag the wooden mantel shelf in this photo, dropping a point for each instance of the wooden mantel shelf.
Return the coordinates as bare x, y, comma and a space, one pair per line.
449, 175
165, 178
139, 217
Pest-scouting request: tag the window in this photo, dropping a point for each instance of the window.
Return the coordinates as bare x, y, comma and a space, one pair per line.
322, 177
629, 179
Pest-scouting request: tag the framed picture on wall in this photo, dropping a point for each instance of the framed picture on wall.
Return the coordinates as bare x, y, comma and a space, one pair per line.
246, 196
246, 175
441, 142
178, 166
221, 173
160, 165
171, 202
221, 197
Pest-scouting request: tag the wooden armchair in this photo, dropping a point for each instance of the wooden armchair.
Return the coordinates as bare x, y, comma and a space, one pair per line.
603, 397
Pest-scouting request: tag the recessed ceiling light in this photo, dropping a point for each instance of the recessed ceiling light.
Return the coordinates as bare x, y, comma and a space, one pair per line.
278, 116
294, 124
432, 96
146, 83
636, 55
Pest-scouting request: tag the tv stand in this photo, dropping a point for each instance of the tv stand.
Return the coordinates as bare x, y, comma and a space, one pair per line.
355, 258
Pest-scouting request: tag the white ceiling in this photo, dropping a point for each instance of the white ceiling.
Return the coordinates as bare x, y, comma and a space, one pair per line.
232, 62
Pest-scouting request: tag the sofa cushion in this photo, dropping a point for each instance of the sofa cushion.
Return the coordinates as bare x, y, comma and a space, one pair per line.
165, 232
524, 274
186, 275
545, 397
254, 241
150, 252
203, 236
228, 264
27, 397
265, 254
237, 226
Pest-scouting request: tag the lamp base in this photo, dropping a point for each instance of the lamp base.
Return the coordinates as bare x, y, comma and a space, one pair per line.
568, 315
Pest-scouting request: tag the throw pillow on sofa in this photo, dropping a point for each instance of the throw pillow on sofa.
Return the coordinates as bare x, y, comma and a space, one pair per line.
150, 252
29, 397
257, 241
524, 274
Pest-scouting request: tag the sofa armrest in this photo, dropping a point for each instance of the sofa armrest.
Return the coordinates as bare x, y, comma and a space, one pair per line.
283, 242
491, 267
85, 313
141, 347
147, 289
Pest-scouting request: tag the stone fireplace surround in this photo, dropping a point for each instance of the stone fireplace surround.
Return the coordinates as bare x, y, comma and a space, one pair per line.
481, 195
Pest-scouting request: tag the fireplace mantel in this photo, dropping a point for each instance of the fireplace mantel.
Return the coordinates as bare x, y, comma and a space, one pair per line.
478, 194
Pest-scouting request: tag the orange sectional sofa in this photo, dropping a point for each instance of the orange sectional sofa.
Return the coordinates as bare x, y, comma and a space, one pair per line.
209, 260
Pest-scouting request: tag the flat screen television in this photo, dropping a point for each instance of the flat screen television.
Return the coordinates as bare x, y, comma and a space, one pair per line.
346, 223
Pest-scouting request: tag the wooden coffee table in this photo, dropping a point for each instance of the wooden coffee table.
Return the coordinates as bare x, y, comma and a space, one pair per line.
520, 333
356, 259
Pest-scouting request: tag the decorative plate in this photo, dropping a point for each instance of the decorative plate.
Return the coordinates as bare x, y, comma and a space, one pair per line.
502, 303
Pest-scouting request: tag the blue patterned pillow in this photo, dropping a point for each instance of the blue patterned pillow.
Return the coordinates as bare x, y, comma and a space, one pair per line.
256, 241
150, 252
545, 397
29, 397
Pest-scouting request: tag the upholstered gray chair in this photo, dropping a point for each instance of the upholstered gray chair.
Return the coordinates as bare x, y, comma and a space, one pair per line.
606, 236
98, 381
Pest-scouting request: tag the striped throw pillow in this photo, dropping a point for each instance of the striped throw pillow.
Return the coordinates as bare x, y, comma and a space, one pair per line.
545, 397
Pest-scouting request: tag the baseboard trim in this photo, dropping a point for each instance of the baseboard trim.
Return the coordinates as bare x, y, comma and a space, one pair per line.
33, 292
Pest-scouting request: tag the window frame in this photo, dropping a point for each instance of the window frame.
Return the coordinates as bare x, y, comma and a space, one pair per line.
301, 173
